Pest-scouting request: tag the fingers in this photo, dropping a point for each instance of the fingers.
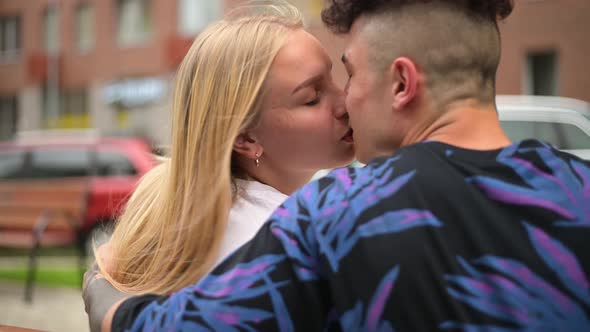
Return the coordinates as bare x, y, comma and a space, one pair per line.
90, 275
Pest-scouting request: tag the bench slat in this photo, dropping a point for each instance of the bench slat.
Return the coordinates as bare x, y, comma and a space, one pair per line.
50, 203
16, 239
8, 223
43, 186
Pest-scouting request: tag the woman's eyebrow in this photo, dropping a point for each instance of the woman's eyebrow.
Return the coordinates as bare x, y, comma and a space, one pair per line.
308, 82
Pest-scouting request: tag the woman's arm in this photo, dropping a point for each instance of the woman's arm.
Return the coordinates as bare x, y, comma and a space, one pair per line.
277, 281
108, 318
271, 283
98, 294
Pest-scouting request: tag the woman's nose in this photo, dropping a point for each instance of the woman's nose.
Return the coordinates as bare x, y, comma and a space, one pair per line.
340, 111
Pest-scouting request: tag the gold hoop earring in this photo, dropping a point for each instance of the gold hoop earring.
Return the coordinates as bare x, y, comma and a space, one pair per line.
257, 161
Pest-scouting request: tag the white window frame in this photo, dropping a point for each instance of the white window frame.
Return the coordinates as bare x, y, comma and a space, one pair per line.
84, 27
195, 15
134, 27
10, 37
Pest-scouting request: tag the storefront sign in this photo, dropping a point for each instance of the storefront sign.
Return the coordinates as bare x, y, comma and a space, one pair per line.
135, 92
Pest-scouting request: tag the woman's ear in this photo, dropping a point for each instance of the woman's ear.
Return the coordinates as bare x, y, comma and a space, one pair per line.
247, 146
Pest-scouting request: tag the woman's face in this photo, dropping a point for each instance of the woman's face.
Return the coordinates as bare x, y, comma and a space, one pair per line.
303, 124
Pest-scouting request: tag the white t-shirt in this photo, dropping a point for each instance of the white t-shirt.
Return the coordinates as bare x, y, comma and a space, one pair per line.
255, 202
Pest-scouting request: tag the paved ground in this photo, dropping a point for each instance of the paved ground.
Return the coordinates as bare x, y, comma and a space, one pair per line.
53, 309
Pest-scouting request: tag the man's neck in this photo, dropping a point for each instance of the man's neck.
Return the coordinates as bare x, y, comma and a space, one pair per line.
468, 125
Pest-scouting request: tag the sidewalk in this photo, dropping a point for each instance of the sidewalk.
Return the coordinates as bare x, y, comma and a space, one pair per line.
54, 309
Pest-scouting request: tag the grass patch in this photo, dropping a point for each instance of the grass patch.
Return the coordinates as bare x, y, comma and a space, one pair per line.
66, 276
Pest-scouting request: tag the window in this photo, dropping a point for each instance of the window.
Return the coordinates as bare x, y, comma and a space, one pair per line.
51, 30
75, 102
50, 101
58, 163
561, 135
574, 137
8, 117
194, 15
113, 163
65, 109
84, 27
10, 43
11, 164
544, 131
518, 130
542, 73
74, 110
134, 19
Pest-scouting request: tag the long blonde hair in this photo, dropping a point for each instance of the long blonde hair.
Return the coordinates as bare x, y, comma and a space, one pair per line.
169, 234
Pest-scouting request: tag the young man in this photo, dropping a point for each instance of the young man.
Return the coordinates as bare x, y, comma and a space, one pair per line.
449, 227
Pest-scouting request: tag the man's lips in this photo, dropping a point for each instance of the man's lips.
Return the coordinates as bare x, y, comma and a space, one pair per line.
349, 137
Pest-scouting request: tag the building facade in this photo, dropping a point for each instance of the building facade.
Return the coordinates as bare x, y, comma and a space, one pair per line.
106, 64
546, 49
110, 64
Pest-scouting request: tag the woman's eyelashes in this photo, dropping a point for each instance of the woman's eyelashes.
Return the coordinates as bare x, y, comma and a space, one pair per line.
315, 101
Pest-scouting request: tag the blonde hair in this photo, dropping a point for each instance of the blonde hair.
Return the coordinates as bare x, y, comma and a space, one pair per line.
169, 235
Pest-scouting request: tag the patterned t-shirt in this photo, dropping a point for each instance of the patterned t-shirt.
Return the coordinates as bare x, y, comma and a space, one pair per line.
434, 238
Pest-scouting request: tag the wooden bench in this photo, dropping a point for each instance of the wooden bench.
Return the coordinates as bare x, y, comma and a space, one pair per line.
43, 213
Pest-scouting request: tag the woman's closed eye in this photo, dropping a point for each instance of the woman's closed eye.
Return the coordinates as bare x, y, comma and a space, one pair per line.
314, 101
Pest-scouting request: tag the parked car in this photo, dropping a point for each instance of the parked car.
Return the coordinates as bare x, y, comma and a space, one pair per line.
112, 165
562, 122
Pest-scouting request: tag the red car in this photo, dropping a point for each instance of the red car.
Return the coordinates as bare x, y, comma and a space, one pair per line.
113, 166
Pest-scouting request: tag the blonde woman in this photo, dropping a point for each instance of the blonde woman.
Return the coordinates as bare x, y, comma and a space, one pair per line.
256, 113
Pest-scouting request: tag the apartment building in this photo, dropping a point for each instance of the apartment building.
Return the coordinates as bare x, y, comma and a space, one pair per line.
106, 64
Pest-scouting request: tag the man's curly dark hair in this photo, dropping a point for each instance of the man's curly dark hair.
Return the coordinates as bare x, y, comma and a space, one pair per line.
339, 15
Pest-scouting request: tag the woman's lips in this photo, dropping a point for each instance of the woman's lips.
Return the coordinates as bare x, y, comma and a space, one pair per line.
349, 137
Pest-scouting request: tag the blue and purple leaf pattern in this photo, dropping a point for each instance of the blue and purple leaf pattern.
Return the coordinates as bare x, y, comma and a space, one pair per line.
565, 190
295, 235
215, 308
335, 232
357, 319
509, 291
336, 211
563, 263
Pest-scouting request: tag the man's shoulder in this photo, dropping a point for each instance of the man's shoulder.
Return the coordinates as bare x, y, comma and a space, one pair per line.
352, 183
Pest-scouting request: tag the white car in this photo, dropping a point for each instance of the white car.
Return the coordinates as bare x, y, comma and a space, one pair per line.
562, 122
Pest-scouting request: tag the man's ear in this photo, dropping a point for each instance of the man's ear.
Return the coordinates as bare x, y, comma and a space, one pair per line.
248, 146
405, 82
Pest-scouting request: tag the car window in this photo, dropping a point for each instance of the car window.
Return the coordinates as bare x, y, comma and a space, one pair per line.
574, 137
11, 164
113, 163
518, 130
544, 131
58, 162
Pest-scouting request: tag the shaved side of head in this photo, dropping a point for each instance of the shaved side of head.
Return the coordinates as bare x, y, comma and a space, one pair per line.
458, 53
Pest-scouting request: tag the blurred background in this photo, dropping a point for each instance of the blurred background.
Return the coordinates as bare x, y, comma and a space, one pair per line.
109, 64
85, 93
